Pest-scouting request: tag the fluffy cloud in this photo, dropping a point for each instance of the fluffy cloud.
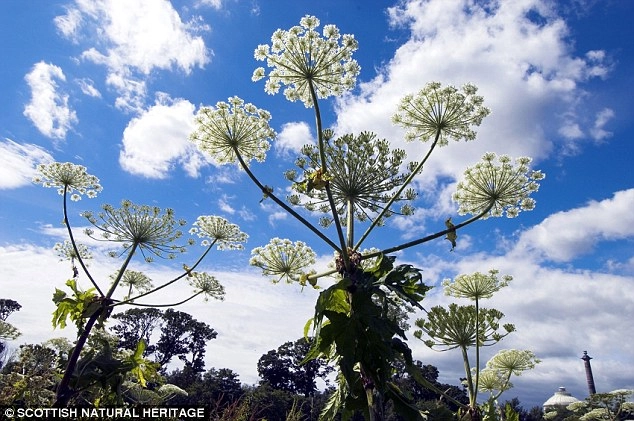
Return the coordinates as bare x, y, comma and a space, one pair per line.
292, 137
157, 139
48, 107
134, 39
535, 92
18, 162
566, 235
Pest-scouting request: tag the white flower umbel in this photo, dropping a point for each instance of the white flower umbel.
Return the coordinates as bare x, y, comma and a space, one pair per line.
441, 112
217, 230
283, 260
68, 178
207, 285
302, 56
138, 226
476, 286
66, 251
232, 129
501, 187
513, 361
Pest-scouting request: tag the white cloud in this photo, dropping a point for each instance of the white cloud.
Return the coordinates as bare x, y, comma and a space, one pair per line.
223, 204
48, 107
216, 4
158, 139
526, 71
87, 86
134, 39
566, 235
18, 163
292, 137
603, 117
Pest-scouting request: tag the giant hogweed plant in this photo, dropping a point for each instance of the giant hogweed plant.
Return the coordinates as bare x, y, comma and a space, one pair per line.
469, 328
356, 182
133, 230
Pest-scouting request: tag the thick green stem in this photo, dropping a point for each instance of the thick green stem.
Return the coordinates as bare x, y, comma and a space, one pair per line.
64, 392
324, 171
396, 195
350, 224
478, 345
74, 244
467, 369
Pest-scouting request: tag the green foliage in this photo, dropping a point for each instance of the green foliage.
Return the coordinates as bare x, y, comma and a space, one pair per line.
77, 307
352, 328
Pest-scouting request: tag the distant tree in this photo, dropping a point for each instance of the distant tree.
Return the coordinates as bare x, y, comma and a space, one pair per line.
181, 335
136, 324
7, 330
7, 307
216, 388
282, 369
534, 414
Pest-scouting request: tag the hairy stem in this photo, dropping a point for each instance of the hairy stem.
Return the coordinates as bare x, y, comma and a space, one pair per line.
75, 248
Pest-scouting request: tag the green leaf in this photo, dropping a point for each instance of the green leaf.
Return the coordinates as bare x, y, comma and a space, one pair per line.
404, 407
334, 299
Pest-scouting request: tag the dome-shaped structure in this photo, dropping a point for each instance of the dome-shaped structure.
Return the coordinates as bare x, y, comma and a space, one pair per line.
561, 398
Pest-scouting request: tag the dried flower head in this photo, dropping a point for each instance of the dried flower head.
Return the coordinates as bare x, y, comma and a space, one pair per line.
138, 226
499, 188
233, 129
445, 112
219, 231
68, 178
283, 259
476, 286
301, 58
207, 285
363, 175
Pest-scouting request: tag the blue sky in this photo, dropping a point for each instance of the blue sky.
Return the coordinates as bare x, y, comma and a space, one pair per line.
115, 86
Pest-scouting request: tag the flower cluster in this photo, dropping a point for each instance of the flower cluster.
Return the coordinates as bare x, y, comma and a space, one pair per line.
513, 361
68, 178
134, 280
283, 259
365, 172
307, 63
207, 285
219, 231
233, 131
498, 188
66, 251
441, 112
142, 226
476, 286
